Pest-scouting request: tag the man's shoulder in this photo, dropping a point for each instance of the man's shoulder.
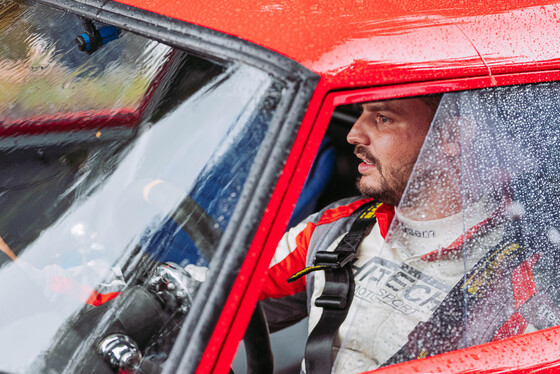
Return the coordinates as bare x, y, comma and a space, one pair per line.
337, 211
340, 209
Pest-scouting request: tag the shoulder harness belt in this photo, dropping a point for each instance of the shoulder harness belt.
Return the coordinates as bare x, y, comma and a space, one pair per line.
461, 302
338, 291
494, 267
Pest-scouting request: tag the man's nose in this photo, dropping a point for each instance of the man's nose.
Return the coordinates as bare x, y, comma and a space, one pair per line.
357, 134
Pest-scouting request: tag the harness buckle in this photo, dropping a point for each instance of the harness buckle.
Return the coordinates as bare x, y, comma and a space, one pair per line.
336, 292
334, 260
331, 302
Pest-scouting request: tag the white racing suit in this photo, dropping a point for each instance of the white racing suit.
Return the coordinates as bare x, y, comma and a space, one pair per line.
401, 280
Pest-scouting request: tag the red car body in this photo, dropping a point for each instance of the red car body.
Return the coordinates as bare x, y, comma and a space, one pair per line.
370, 51
363, 51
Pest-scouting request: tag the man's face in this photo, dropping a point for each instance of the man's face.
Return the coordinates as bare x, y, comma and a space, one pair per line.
387, 138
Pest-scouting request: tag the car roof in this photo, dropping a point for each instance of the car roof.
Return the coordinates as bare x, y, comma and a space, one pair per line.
358, 43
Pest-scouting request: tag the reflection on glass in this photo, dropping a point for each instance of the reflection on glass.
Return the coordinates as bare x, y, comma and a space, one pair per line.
40, 59
472, 254
121, 171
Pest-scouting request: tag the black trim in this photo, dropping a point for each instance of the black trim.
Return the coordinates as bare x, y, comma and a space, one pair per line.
257, 344
244, 222
300, 84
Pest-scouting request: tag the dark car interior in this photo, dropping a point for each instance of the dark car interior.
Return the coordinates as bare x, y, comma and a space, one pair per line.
334, 170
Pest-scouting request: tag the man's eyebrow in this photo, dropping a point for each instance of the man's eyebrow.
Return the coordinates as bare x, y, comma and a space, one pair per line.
377, 106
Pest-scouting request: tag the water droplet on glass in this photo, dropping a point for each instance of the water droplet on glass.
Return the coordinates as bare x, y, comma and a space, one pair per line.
515, 210
554, 235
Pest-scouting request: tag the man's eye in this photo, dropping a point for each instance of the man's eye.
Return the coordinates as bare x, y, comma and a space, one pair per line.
382, 119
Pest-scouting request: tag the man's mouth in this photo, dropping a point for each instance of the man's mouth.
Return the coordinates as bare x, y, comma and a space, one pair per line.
366, 165
368, 160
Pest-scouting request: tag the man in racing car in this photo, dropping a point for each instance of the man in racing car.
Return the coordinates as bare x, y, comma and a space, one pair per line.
398, 284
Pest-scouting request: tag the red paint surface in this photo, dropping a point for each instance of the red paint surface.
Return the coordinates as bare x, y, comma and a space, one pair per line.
354, 43
70, 122
239, 306
538, 352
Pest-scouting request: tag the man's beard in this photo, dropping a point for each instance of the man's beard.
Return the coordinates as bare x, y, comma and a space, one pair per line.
390, 188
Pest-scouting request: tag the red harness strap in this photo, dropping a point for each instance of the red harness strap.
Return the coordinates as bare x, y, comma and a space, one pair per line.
477, 230
524, 287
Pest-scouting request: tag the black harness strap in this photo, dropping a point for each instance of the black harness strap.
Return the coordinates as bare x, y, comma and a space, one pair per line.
445, 329
338, 291
463, 307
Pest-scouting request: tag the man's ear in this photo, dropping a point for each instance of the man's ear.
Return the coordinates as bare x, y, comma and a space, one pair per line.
450, 137
450, 144
457, 134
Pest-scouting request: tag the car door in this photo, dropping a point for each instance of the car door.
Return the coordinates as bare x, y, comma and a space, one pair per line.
500, 308
139, 186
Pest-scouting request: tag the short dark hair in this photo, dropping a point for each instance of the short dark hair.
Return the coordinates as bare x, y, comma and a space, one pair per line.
432, 101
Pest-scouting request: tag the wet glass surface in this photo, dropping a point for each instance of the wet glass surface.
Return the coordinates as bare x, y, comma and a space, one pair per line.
113, 163
472, 254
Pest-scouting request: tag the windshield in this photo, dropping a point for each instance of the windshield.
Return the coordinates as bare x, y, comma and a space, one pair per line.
472, 252
121, 169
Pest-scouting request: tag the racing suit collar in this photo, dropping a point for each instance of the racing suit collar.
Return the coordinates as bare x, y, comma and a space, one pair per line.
385, 214
447, 234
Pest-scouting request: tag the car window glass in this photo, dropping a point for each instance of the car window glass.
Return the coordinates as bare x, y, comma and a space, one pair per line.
472, 252
121, 171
